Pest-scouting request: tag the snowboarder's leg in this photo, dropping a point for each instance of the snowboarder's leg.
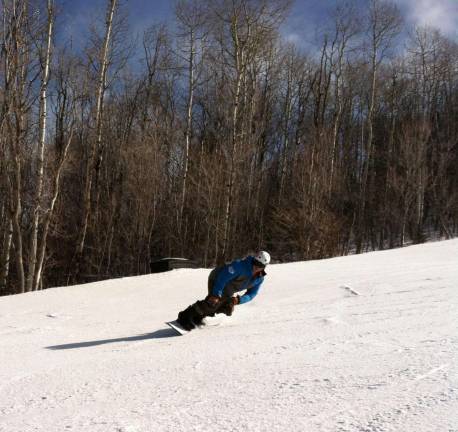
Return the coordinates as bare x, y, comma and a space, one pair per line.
225, 306
194, 314
212, 278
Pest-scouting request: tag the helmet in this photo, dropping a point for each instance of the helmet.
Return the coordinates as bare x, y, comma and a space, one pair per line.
261, 259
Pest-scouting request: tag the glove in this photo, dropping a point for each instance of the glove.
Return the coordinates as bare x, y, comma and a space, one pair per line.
213, 300
226, 309
235, 300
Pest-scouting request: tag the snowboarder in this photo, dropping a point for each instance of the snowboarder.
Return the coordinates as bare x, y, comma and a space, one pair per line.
223, 282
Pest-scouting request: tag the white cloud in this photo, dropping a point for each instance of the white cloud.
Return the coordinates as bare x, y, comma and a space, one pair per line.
442, 14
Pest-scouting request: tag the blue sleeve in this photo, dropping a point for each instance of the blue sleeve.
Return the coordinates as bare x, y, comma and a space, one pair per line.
226, 274
250, 294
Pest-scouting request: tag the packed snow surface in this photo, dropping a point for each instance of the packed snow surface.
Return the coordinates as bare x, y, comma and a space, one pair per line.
360, 343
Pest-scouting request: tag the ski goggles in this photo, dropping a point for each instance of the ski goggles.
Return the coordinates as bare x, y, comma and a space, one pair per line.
258, 264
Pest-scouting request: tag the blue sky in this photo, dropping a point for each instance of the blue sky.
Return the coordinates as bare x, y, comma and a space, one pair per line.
306, 15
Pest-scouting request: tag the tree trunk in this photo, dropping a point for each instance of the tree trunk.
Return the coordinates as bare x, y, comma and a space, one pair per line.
287, 114
93, 164
49, 213
188, 127
5, 256
239, 65
41, 147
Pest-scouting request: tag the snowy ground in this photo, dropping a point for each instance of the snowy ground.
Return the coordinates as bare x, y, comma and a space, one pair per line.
308, 354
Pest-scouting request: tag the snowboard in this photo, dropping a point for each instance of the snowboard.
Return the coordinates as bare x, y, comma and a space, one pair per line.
175, 325
206, 322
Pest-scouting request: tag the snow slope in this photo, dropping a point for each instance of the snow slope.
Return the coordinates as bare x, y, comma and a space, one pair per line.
308, 354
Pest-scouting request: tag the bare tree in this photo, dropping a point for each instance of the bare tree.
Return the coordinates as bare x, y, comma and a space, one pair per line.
246, 24
192, 19
91, 166
224, 138
45, 61
346, 22
384, 23
65, 124
17, 91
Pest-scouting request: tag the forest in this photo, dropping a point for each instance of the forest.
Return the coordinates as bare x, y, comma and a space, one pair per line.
217, 135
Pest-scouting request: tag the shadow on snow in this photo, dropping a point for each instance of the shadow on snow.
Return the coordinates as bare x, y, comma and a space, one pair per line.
158, 334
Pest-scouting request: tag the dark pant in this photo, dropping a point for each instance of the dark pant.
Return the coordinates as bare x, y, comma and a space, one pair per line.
195, 313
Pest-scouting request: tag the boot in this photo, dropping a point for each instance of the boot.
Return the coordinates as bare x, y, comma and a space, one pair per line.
194, 314
185, 318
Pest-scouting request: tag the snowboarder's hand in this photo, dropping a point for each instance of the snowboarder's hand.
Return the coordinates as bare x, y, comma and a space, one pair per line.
213, 300
236, 300
227, 308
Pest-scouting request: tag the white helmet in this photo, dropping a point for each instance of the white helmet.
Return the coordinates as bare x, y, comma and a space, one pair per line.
262, 257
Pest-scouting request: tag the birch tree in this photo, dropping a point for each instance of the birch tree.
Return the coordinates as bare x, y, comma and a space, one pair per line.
45, 61
91, 166
65, 125
16, 56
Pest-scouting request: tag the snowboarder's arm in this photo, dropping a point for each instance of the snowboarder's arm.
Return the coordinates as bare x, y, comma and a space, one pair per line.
250, 294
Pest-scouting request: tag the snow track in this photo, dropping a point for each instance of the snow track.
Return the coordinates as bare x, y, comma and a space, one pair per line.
366, 343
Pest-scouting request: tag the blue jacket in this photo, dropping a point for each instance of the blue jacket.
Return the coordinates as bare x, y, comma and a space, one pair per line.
238, 276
